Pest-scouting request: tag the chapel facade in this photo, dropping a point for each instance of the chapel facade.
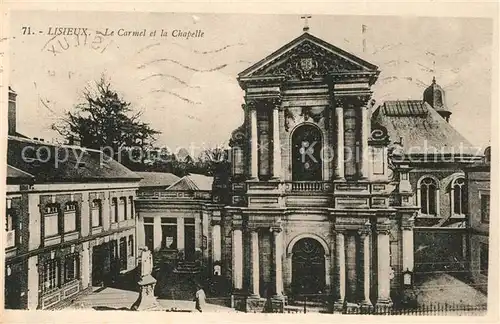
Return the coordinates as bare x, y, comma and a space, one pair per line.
310, 212
328, 198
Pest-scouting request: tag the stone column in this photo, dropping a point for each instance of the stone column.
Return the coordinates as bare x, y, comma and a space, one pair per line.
204, 232
253, 141
340, 143
408, 245
216, 243
278, 266
237, 259
328, 262
384, 266
157, 238
197, 232
351, 267
364, 235
254, 284
365, 120
340, 262
180, 232
276, 144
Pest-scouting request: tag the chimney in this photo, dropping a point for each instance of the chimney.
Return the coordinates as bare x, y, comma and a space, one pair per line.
12, 112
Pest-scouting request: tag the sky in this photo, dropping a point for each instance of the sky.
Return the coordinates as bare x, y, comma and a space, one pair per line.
187, 88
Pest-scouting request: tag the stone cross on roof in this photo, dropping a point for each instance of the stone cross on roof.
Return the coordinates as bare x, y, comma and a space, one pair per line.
306, 27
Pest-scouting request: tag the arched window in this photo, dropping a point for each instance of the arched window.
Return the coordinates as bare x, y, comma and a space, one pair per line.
306, 154
458, 196
428, 190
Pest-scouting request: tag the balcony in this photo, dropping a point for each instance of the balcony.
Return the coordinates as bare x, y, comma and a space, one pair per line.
308, 186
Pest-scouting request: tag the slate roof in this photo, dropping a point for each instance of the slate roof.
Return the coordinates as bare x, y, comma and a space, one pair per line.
421, 128
73, 163
157, 179
195, 182
404, 108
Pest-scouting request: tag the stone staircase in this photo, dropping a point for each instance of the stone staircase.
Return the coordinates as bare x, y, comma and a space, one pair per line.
187, 267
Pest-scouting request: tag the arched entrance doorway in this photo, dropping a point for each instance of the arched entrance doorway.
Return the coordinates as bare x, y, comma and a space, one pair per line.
306, 154
308, 267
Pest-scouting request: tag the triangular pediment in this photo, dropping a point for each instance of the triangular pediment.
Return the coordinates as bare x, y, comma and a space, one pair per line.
307, 57
183, 184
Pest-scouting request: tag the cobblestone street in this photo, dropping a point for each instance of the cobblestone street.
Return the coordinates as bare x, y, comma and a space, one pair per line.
119, 299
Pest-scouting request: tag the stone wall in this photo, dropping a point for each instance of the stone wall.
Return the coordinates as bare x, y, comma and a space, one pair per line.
478, 183
479, 278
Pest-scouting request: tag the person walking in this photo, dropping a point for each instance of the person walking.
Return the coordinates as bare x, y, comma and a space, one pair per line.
199, 298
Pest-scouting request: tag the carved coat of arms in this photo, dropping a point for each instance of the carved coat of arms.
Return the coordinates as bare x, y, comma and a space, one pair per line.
307, 65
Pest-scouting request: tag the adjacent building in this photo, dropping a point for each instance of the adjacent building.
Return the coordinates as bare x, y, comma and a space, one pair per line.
478, 179
429, 156
175, 219
70, 222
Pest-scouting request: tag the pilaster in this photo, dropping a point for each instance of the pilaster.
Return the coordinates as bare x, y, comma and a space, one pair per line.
384, 268
276, 141
237, 256
365, 126
278, 260
253, 141
407, 225
254, 256
339, 172
157, 238
216, 241
341, 272
364, 234
180, 232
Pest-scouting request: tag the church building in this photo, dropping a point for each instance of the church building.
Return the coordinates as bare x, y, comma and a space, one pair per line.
329, 196
324, 191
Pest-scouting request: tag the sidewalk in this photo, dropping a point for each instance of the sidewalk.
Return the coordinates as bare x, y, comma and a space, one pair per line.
118, 299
